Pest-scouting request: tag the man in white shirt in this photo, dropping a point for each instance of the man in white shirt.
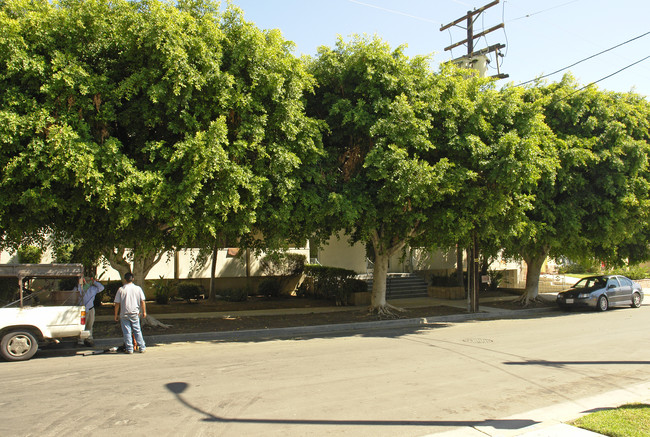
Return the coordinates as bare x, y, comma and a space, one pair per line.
129, 301
87, 292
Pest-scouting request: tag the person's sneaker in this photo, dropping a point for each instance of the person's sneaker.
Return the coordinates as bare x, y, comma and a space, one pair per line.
128, 352
141, 350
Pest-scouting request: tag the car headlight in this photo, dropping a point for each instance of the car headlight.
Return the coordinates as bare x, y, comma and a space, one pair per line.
584, 296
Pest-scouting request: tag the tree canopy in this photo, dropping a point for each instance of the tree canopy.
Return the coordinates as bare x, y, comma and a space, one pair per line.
149, 126
416, 157
136, 127
595, 205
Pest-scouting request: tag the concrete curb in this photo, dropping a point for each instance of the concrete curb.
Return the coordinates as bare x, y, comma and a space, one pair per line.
298, 331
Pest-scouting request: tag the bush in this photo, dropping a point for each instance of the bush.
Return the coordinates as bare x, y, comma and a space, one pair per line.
234, 295
446, 281
162, 290
496, 276
283, 264
580, 267
68, 283
110, 290
8, 290
29, 255
270, 288
347, 287
189, 291
634, 272
332, 283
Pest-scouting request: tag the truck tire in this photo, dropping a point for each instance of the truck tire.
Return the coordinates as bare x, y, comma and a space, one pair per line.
18, 345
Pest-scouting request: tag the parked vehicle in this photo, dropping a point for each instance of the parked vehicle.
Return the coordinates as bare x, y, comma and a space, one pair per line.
26, 323
601, 293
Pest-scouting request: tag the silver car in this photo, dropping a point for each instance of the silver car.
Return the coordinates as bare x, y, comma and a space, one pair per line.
602, 292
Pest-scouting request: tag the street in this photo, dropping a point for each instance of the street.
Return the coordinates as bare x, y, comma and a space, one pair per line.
407, 382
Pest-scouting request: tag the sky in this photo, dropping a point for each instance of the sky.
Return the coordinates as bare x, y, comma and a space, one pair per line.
541, 37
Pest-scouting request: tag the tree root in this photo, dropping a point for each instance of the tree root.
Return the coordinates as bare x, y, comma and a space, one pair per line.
528, 303
153, 322
386, 311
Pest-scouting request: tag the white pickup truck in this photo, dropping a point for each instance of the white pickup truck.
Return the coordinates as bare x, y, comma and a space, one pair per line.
25, 325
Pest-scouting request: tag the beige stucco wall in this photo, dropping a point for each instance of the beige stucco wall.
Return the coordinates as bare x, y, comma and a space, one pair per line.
339, 253
226, 266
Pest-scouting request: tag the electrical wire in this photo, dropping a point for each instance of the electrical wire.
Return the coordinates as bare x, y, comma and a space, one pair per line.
392, 11
586, 59
603, 78
545, 10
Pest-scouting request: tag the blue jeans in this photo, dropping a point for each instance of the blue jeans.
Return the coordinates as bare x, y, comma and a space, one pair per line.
131, 327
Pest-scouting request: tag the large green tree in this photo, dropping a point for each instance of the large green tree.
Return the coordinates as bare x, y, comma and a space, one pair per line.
596, 204
138, 127
416, 158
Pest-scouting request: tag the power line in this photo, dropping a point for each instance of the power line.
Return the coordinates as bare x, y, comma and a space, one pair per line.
544, 10
392, 11
603, 78
586, 59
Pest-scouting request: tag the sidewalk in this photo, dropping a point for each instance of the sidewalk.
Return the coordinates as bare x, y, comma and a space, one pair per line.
549, 421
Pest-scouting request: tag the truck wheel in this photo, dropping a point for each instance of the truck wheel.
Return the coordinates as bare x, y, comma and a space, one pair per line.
18, 346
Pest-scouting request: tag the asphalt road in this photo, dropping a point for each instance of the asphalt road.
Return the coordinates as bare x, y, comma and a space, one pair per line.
486, 375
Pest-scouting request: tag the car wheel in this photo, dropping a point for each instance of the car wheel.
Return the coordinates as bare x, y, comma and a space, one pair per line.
603, 303
636, 300
18, 346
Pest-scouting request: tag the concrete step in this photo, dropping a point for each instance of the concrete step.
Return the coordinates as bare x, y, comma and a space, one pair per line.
403, 285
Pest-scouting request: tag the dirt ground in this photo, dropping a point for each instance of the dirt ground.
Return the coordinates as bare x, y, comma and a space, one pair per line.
234, 322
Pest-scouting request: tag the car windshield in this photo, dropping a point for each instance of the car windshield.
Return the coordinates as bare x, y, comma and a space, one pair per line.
593, 282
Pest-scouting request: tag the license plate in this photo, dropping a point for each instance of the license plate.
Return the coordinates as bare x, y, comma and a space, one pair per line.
569, 301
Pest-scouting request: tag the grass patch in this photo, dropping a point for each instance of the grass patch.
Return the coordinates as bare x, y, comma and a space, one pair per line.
581, 275
632, 420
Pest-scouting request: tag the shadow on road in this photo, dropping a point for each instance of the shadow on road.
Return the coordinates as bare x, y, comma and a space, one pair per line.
570, 363
177, 388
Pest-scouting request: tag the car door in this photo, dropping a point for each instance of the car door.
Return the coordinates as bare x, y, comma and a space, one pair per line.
625, 292
612, 291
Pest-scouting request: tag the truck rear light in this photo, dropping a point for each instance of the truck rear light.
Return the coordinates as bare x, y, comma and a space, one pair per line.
83, 317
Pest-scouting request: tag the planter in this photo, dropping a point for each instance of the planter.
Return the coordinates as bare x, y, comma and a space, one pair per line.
360, 298
449, 293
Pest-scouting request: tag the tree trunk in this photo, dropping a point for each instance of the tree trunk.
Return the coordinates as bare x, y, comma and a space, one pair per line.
213, 272
380, 273
459, 266
142, 265
534, 263
117, 259
378, 303
143, 262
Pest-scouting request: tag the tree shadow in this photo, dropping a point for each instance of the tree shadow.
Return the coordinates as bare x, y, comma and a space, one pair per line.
560, 364
177, 388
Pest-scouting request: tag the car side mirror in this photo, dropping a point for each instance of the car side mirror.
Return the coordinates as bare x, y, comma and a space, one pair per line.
611, 286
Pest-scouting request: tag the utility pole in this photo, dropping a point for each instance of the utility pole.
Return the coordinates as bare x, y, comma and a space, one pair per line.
476, 60
473, 57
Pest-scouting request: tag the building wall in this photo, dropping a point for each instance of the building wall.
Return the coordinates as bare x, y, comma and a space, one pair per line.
339, 253
228, 266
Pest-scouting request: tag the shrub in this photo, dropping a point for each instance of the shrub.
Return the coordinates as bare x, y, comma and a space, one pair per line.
68, 283
162, 290
270, 288
189, 291
29, 254
234, 295
110, 290
580, 267
332, 282
8, 290
347, 287
446, 280
634, 272
496, 276
283, 264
